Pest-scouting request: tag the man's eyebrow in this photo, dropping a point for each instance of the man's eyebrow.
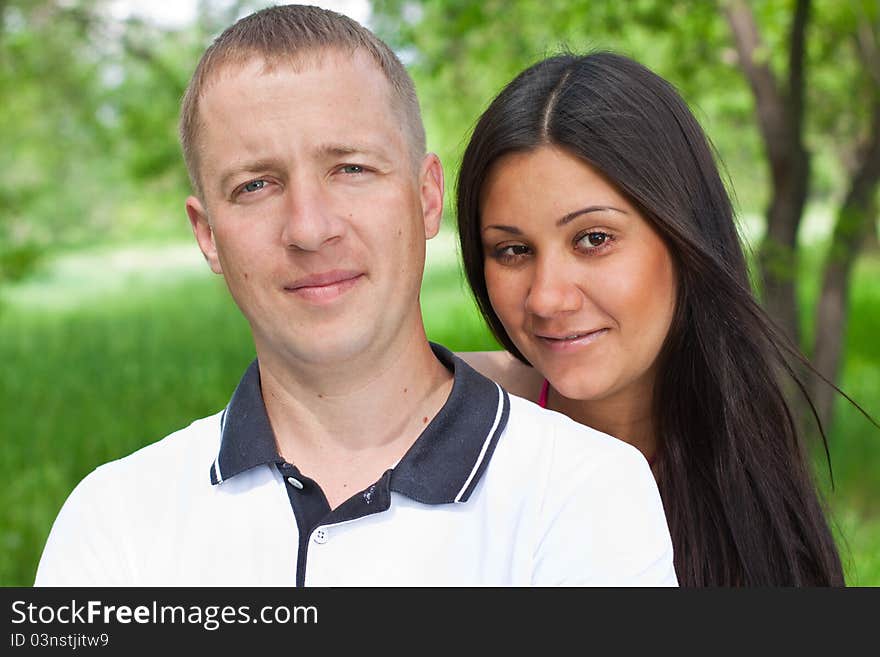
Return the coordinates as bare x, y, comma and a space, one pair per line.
564, 220
341, 149
590, 208
344, 149
246, 167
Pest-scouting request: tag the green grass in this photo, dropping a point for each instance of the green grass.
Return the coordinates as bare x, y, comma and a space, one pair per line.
854, 442
83, 386
101, 357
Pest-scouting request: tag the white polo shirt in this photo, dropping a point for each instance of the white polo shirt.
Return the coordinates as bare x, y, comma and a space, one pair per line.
496, 491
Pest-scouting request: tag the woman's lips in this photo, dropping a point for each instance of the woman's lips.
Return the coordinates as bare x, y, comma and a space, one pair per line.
570, 340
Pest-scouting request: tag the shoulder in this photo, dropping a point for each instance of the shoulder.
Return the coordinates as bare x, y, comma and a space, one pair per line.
512, 374
191, 449
595, 493
110, 506
574, 446
194, 445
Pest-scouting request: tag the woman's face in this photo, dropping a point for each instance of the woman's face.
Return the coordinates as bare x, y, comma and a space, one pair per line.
583, 284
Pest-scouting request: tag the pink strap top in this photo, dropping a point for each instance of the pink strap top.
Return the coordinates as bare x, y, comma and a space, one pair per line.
542, 398
542, 402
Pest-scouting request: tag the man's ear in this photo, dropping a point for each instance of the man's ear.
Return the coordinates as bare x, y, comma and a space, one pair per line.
431, 182
201, 227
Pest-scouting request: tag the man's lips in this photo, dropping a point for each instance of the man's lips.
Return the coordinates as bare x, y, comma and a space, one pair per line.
324, 286
323, 279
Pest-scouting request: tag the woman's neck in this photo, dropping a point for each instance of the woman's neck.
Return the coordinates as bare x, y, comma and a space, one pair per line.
626, 416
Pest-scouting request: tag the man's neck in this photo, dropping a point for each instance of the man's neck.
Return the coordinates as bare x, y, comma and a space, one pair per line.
344, 426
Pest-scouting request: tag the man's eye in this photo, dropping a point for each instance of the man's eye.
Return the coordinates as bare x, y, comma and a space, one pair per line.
352, 168
254, 186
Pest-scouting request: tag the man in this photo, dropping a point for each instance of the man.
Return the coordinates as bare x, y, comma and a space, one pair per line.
353, 452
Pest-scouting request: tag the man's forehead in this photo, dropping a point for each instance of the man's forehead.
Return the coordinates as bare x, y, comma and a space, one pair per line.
329, 58
255, 90
317, 81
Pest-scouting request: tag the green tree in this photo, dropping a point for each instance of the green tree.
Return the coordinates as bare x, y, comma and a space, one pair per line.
88, 144
847, 40
49, 123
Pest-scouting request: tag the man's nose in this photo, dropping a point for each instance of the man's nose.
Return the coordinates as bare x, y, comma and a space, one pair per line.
310, 221
554, 289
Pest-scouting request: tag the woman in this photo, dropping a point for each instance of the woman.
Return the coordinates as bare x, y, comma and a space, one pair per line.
600, 244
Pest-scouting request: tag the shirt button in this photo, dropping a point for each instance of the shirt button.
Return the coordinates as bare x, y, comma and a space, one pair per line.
296, 483
321, 536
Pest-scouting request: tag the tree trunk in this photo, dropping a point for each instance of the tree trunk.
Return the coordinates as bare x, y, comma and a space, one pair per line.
780, 118
778, 259
854, 226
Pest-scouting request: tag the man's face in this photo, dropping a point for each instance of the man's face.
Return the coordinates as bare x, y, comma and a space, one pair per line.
313, 210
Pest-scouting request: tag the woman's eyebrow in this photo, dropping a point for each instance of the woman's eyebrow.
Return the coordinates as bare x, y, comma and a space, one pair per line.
561, 222
590, 208
507, 229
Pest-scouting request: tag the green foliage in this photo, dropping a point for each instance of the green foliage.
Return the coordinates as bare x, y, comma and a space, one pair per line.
88, 146
90, 103
466, 51
18, 261
50, 101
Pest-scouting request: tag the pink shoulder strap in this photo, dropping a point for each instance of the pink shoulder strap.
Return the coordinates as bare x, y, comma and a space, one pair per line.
542, 398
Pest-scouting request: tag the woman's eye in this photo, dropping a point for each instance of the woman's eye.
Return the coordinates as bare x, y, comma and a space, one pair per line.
254, 186
352, 168
594, 239
511, 252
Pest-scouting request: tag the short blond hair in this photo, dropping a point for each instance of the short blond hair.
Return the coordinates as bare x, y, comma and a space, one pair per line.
287, 34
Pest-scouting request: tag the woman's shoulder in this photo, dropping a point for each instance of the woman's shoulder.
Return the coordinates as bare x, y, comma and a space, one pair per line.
512, 374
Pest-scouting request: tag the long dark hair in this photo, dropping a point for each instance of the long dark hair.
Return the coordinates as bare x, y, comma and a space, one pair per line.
733, 472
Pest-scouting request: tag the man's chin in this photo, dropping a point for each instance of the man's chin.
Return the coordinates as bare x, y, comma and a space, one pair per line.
323, 351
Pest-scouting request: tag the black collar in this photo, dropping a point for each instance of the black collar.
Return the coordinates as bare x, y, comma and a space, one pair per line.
442, 466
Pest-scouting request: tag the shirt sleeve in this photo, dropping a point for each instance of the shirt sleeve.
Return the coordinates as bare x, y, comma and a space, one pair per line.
85, 546
603, 521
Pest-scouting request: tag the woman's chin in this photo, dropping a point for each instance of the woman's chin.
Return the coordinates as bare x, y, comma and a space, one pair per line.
578, 388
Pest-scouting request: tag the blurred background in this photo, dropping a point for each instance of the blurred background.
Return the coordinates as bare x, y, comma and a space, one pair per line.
113, 333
